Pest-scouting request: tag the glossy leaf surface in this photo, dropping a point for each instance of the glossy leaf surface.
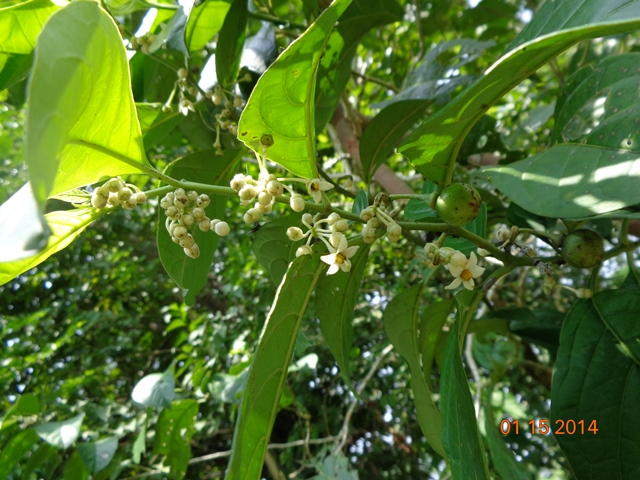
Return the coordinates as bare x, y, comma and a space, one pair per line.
401, 324
20, 25
281, 104
269, 368
81, 121
597, 377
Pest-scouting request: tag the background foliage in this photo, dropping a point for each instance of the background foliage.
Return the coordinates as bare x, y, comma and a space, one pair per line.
123, 358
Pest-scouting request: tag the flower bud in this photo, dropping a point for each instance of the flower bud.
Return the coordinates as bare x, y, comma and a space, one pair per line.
172, 213
584, 293
125, 194
197, 213
367, 214
307, 219
295, 234
114, 184
140, 197
368, 234
264, 198
204, 225
192, 195
458, 259
222, 229
275, 188
483, 252
333, 218
237, 101
214, 222
297, 203
264, 209
503, 234
335, 239
340, 226
193, 252
203, 200
98, 201
180, 232
303, 250
238, 181
252, 215
187, 241
182, 73
113, 199
129, 204
248, 192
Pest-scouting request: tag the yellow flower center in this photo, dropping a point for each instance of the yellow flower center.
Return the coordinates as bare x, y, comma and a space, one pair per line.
314, 186
466, 275
340, 258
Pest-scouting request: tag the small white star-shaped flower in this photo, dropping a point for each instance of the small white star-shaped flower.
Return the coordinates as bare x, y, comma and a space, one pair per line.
339, 260
464, 273
184, 106
315, 188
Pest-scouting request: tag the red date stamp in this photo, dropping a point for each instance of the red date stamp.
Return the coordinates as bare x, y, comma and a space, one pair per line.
543, 427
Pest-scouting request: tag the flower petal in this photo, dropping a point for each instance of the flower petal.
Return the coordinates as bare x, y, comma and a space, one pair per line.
333, 269
351, 251
468, 284
455, 284
343, 244
324, 185
477, 271
346, 266
455, 271
329, 259
473, 261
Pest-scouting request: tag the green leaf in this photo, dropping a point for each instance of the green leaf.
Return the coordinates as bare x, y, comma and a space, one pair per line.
478, 226
503, 459
61, 434
334, 70
174, 430
385, 130
20, 25
230, 42
140, 445
431, 323
15, 449
336, 297
81, 122
269, 368
460, 436
189, 273
75, 468
14, 69
435, 144
282, 101
360, 202
401, 324
156, 390
155, 124
597, 377
272, 247
571, 181
420, 209
97, 455
335, 466
204, 22
65, 226
26, 405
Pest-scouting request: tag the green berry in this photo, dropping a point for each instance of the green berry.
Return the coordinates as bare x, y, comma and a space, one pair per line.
458, 204
583, 249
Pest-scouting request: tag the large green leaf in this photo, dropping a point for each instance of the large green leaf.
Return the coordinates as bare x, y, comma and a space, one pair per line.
61, 434
460, 436
571, 181
230, 42
204, 22
335, 66
97, 455
20, 25
281, 104
156, 390
81, 122
431, 323
269, 368
65, 226
336, 297
191, 273
597, 378
401, 324
174, 430
434, 145
15, 449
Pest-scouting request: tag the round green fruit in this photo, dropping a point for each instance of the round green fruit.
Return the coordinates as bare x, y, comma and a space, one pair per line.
583, 249
458, 204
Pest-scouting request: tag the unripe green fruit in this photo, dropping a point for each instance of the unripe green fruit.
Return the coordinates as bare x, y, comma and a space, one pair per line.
458, 204
583, 249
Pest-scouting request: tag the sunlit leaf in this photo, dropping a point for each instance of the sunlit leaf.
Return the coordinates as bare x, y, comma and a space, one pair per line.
204, 22
174, 430
269, 368
156, 390
20, 25
281, 104
61, 434
571, 181
81, 122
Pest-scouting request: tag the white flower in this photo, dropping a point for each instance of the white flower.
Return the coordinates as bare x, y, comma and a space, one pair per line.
184, 106
315, 188
339, 260
464, 274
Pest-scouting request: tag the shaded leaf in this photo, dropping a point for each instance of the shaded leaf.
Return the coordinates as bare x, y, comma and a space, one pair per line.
174, 430
336, 297
156, 390
273, 248
27, 404
571, 181
420, 209
155, 124
360, 202
20, 25
460, 436
75, 469
15, 449
97, 455
81, 122
269, 368
204, 22
189, 273
597, 377
230, 43
431, 323
401, 324
61, 434
281, 104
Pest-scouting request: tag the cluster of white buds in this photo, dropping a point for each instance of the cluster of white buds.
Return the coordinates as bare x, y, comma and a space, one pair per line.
185, 210
330, 231
143, 42
185, 105
463, 269
375, 216
265, 190
115, 192
227, 119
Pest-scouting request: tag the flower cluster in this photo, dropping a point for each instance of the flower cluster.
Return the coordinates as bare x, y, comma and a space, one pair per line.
463, 269
185, 210
330, 231
376, 217
115, 192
